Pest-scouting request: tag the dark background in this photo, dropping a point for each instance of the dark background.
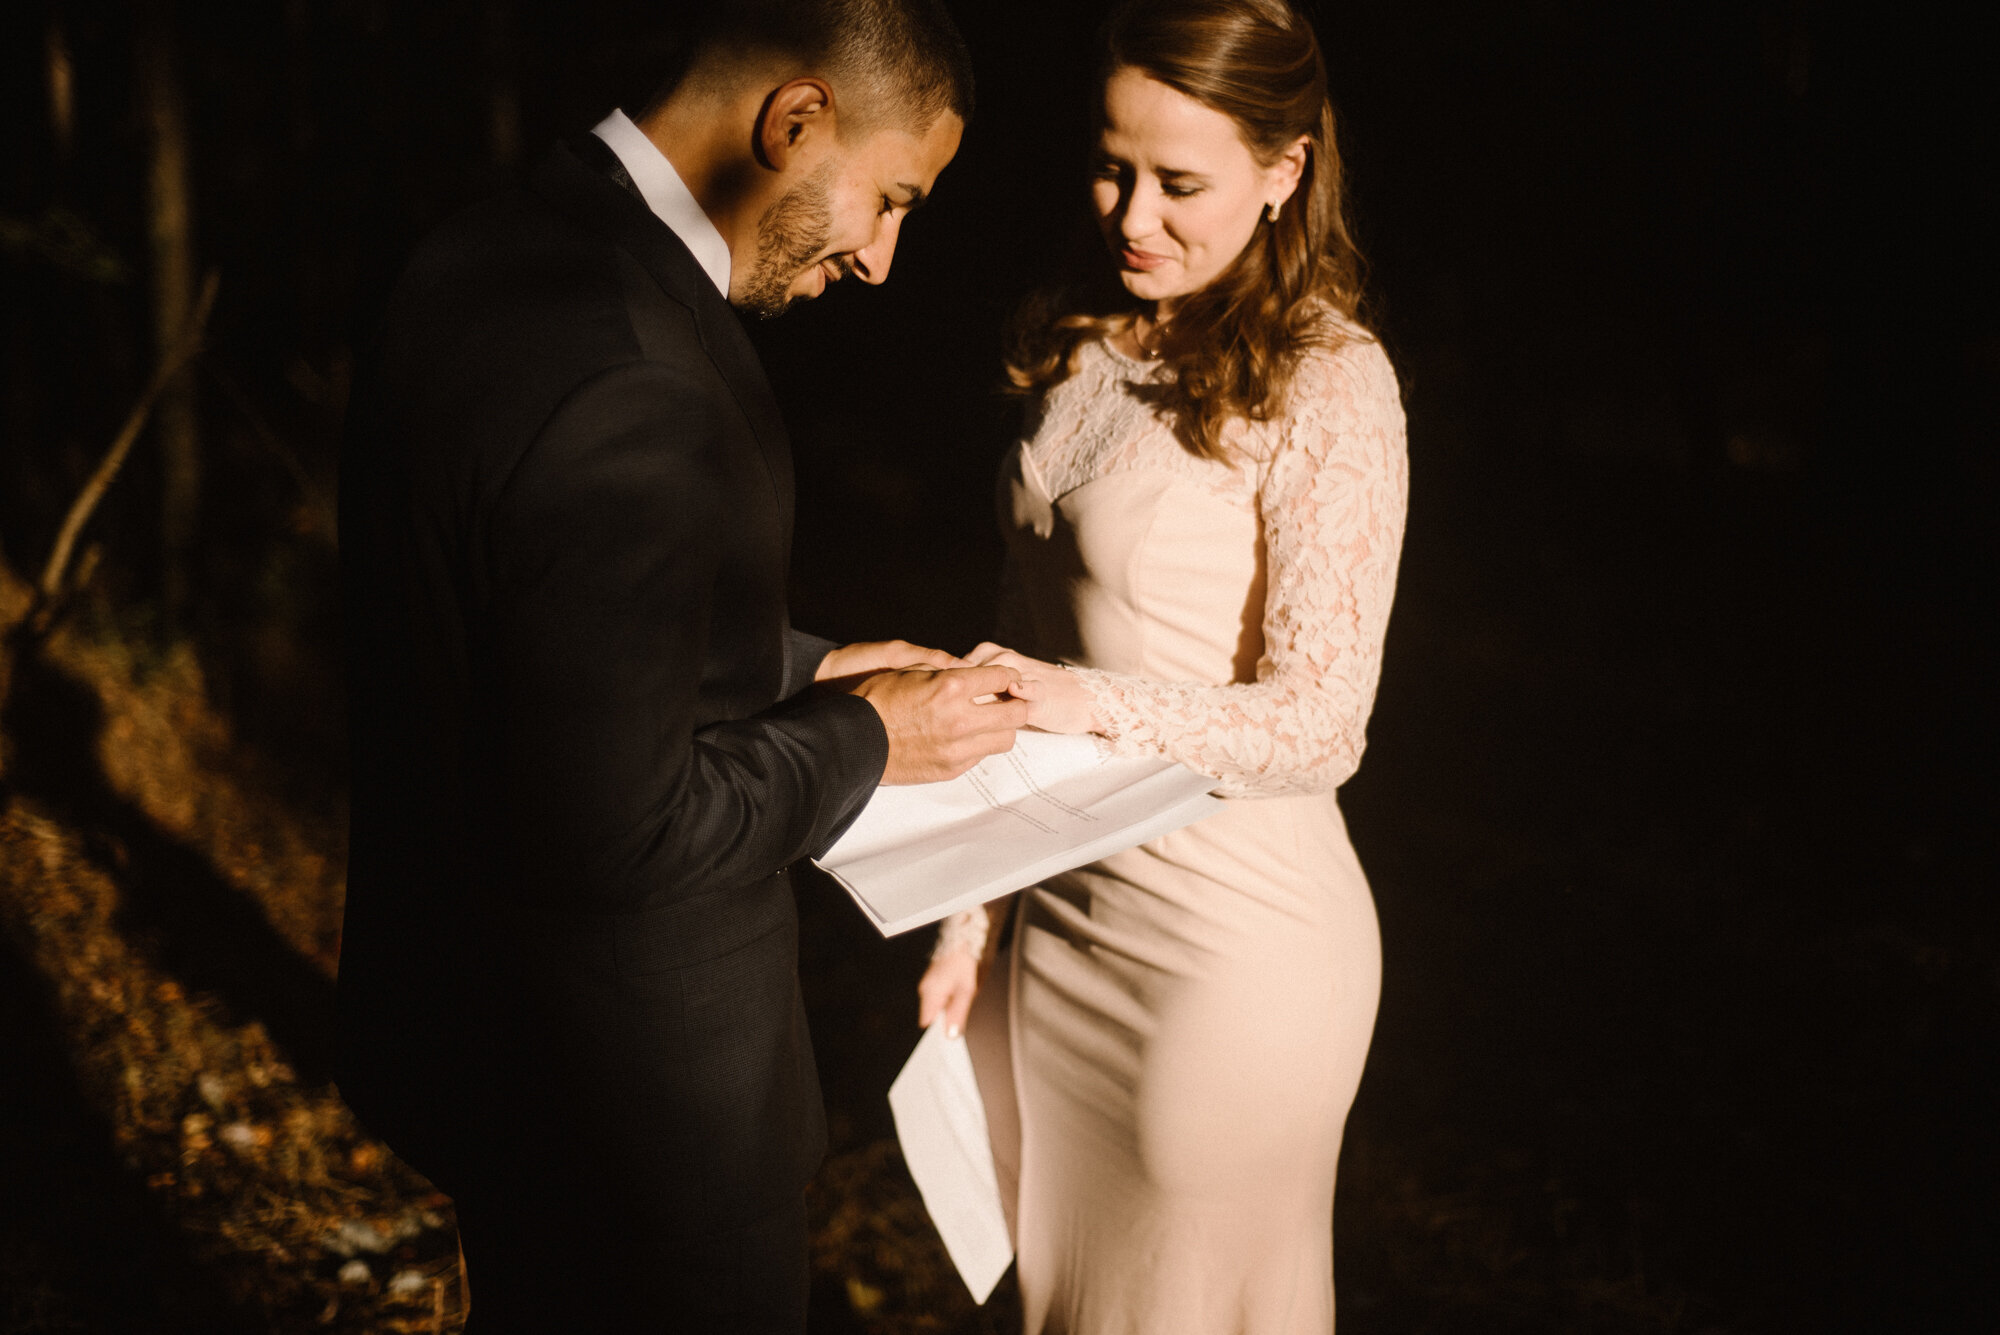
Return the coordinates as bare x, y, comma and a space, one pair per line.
1678, 803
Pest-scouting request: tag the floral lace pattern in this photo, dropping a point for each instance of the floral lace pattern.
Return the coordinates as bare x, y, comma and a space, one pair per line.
963, 931
1102, 420
1329, 481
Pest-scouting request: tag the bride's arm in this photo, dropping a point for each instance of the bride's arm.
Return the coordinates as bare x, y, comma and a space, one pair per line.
1332, 500
965, 945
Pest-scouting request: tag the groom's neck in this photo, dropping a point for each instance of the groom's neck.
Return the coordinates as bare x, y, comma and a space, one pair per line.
709, 140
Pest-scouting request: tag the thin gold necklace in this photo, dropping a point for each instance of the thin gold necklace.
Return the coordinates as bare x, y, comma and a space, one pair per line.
1148, 348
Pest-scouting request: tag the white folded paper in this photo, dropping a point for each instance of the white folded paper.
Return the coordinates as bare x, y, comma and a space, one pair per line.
942, 1127
924, 851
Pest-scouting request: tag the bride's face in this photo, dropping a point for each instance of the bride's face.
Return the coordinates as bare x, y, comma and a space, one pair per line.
1178, 192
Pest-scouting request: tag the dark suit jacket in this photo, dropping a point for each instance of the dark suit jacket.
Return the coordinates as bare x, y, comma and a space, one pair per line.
566, 511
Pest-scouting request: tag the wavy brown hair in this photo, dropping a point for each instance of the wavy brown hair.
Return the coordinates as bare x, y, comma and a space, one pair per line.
1233, 347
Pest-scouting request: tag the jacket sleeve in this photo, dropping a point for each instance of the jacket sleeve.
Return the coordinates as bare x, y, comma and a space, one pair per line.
803, 654
604, 547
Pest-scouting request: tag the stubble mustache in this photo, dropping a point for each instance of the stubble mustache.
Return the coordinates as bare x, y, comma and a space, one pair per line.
790, 233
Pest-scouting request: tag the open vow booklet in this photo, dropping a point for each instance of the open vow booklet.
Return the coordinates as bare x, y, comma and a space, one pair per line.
924, 851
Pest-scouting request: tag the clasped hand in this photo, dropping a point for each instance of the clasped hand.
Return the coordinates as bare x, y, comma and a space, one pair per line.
945, 714
1061, 702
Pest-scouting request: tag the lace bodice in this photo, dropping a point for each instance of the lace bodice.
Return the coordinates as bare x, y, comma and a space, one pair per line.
1327, 481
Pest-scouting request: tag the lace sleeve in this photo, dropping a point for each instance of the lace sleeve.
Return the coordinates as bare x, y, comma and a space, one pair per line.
1332, 501
965, 931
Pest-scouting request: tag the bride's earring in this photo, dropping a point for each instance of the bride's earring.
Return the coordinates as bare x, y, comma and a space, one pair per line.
1271, 212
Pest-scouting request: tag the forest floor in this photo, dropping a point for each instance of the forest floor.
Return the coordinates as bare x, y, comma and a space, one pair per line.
177, 1157
173, 934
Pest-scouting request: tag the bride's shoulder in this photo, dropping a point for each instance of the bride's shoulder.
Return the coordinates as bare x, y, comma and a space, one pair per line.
1344, 363
1087, 358
1343, 392
1101, 353
1099, 374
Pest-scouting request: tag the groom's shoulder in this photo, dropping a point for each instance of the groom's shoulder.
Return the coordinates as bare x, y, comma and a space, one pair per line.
514, 263
504, 314
505, 309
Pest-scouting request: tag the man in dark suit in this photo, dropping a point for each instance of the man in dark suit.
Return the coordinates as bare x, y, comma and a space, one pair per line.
586, 742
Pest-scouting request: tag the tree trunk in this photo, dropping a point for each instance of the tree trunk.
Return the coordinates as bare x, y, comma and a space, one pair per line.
61, 77
503, 88
306, 208
170, 217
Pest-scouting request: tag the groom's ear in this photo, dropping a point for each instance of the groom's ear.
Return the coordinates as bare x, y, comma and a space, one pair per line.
796, 119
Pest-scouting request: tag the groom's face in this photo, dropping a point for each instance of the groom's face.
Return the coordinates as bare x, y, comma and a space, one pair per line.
844, 215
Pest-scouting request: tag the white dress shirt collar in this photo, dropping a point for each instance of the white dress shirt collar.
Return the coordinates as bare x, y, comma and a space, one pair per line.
667, 195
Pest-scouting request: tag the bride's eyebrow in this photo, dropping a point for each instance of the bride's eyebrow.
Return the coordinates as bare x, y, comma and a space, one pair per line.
1176, 174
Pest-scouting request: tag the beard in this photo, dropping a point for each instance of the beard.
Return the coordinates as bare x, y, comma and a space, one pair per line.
789, 235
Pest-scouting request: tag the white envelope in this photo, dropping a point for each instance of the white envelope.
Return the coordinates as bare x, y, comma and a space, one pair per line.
942, 1126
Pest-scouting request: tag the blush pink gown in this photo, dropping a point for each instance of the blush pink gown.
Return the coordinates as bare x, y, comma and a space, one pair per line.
1171, 1044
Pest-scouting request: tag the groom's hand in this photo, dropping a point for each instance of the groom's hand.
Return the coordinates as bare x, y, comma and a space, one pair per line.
942, 722
842, 668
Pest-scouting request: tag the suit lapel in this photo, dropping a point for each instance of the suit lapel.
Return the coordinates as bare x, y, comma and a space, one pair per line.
618, 214
730, 349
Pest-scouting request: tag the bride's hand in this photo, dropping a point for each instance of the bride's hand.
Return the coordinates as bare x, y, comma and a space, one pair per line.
947, 988
1058, 701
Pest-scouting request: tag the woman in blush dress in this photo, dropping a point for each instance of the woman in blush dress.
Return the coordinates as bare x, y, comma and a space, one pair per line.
1203, 519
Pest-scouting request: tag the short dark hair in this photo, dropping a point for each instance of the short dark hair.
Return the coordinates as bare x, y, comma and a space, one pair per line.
906, 57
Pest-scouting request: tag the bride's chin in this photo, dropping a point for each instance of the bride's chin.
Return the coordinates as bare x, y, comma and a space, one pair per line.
1145, 286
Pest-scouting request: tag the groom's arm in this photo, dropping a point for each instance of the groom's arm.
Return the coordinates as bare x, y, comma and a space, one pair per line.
803, 655
605, 554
